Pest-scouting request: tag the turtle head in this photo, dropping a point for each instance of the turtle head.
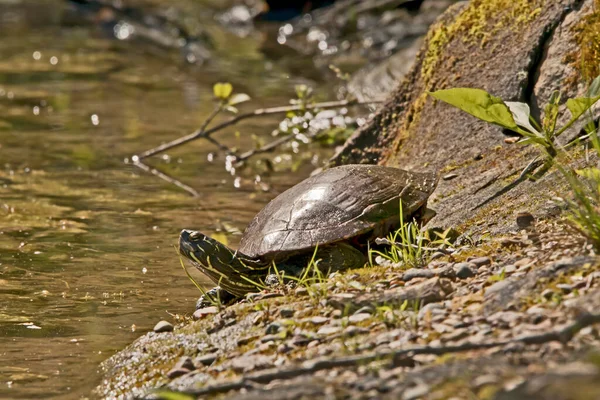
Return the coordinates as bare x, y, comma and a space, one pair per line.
221, 264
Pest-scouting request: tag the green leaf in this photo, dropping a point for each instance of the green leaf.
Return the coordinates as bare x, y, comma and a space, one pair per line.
238, 98
551, 114
580, 105
522, 115
222, 90
594, 89
479, 104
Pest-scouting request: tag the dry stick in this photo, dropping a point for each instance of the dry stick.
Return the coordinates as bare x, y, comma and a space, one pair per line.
203, 132
309, 367
166, 177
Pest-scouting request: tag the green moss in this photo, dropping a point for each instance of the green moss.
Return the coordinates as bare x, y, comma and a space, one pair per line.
475, 25
585, 59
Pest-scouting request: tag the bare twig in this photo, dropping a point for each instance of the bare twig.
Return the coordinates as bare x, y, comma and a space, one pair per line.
558, 335
203, 132
166, 177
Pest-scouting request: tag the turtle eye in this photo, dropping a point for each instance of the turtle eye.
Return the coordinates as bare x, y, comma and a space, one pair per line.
195, 235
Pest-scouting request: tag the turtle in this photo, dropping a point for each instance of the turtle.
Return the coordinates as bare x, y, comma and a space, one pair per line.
329, 217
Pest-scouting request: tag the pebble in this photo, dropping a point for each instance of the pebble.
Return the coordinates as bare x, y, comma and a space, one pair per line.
523, 262
273, 327
176, 373
436, 255
365, 310
565, 287
202, 312
163, 326
448, 177
547, 294
183, 366
207, 359
356, 318
301, 291
286, 313
318, 320
417, 273
481, 261
431, 309
464, 270
329, 330
525, 219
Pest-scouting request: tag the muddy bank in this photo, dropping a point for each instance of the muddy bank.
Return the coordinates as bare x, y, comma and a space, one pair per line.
508, 314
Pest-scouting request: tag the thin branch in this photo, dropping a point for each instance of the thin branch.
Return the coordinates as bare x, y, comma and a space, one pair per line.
271, 146
558, 335
166, 177
203, 132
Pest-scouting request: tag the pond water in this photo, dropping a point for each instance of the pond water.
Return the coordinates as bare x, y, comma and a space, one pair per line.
87, 258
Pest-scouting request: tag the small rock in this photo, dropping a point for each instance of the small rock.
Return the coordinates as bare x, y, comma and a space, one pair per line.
436, 255
202, 312
523, 262
249, 363
565, 287
510, 268
329, 330
464, 270
207, 359
176, 373
430, 309
284, 348
273, 328
365, 310
270, 338
356, 318
185, 363
301, 291
286, 313
481, 261
525, 219
417, 273
448, 177
547, 294
245, 340
415, 392
318, 320
163, 326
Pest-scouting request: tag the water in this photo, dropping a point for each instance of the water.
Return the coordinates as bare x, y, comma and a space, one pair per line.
87, 258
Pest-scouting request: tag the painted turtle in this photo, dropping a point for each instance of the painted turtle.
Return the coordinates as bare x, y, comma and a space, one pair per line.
331, 216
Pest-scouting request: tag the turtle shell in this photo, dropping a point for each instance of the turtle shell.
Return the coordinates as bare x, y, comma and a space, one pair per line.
334, 205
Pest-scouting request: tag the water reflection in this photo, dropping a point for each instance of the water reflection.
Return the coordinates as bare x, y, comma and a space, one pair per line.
87, 261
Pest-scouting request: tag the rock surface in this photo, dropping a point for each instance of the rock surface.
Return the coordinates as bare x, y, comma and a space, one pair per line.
510, 313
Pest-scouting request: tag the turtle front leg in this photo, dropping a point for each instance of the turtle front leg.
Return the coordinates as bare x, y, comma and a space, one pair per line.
216, 295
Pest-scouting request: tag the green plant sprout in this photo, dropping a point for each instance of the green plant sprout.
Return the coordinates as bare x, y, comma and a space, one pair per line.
584, 210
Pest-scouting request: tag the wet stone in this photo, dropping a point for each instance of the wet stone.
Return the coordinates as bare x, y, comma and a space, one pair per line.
163, 326
436, 255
